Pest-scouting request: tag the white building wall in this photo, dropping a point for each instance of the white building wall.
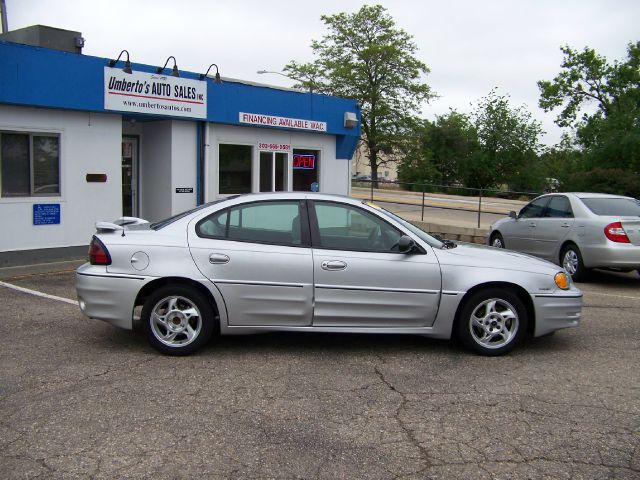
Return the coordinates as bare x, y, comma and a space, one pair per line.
89, 143
184, 151
334, 174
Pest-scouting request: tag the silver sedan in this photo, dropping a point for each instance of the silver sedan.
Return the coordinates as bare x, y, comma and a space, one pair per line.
304, 262
579, 231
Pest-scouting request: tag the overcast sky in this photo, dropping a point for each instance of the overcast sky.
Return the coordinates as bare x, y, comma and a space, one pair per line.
470, 46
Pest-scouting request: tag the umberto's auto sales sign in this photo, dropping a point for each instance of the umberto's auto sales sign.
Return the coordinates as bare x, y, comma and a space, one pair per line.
156, 94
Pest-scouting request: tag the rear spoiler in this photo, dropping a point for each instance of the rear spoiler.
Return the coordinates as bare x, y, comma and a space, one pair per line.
119, 224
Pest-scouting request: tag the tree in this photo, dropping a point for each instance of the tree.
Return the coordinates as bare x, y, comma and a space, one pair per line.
433, 151
610, 133
508, 143
417, 165
364, 56
453, 141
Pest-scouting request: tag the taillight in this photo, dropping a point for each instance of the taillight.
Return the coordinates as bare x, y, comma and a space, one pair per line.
98, 253
616, 233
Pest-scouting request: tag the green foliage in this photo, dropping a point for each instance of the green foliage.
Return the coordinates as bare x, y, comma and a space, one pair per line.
417, 162
561, 162
609, 135
454, 140
606, 180
364, 56
508, 143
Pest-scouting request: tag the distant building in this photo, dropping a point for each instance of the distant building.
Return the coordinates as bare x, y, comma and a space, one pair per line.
360, 167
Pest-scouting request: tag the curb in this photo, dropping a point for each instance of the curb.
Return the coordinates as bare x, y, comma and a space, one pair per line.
40, 268
451, 232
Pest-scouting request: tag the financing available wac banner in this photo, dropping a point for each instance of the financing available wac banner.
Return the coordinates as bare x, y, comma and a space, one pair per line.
156, 94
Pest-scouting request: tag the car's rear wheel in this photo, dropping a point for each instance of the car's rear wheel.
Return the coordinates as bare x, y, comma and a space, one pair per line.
497, 240
571, 261
177, 320
492, 322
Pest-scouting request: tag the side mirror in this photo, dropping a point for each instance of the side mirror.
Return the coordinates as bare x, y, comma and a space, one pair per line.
406, 244
513, 215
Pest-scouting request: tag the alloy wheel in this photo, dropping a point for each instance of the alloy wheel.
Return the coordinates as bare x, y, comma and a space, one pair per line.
494, 323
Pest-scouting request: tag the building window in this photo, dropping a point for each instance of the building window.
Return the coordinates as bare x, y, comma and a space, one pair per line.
234, 163
30, 164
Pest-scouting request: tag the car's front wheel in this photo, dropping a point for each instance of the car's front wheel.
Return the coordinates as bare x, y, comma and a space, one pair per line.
177, 320
571, 261
492, 321
497, 240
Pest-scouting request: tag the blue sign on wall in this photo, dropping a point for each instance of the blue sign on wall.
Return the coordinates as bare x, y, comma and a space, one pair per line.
46, 214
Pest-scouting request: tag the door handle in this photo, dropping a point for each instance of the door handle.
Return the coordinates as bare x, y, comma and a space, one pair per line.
218, 258
333, 265
532, 225
565, 225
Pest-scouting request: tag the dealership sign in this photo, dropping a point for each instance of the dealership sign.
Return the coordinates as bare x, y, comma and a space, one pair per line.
156, 94
282, 122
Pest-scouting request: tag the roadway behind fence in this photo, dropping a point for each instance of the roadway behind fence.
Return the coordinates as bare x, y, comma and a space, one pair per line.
457, 204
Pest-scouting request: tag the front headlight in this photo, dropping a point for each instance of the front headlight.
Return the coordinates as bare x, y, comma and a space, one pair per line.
562, 280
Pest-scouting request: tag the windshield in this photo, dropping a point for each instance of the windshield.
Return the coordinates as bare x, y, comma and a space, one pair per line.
424, 236
170, 220
613, 207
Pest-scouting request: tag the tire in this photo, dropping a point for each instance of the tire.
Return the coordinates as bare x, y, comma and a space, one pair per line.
571, 261
497, 240
492, 322
177, 320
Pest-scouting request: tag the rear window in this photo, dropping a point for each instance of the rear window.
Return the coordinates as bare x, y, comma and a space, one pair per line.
168, 221
614, 207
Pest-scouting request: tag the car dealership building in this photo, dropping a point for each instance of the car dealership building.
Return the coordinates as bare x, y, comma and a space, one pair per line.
84, 139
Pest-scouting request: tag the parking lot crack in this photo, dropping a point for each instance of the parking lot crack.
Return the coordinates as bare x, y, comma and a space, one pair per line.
408, 433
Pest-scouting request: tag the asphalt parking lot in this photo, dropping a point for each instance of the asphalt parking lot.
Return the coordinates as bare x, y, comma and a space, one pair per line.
81, 399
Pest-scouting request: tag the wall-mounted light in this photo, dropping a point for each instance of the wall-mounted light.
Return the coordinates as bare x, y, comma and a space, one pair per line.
217, 78
127, 63
174, 70
350, 120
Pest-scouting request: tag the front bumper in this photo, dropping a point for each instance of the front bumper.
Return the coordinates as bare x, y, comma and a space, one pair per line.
556, 311
108, 297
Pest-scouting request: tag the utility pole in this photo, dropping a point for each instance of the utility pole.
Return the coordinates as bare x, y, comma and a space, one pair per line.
3, 7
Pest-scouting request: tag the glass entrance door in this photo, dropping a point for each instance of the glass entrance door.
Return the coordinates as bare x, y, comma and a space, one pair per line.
129, 176
305, 170
273, 171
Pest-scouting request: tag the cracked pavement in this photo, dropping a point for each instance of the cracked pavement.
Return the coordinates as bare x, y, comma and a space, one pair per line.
82, 399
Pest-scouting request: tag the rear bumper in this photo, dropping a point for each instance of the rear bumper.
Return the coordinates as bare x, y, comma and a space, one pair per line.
614, 255
556, 311
107, 297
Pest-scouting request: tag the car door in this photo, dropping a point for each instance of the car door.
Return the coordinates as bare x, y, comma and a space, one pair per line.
259, 256
554, 226
520, 233
361, 279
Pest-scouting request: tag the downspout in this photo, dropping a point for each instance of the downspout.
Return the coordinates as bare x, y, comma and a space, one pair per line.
207, 164
199, 158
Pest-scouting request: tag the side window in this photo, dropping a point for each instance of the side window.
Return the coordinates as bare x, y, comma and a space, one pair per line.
534, 209
559, 207
349, 228
271, 222
214, 225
